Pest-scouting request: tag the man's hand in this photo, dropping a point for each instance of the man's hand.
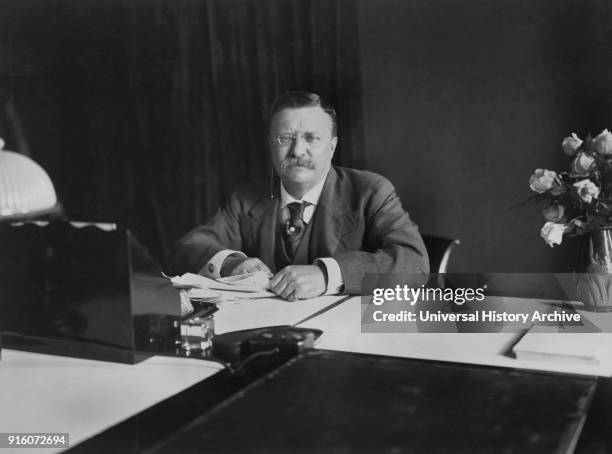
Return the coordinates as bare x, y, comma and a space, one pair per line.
235, 265
298, 282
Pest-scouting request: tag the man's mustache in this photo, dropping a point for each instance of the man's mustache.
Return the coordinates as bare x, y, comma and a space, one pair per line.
296, 162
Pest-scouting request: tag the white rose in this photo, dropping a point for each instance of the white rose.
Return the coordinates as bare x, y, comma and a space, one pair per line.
587, 190
583, 164
603, 143
552, 233
542, 180
571, 144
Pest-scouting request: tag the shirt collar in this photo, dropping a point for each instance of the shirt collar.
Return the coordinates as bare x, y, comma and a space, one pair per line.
311, 196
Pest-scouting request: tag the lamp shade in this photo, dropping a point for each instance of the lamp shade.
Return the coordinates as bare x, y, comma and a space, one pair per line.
25, 188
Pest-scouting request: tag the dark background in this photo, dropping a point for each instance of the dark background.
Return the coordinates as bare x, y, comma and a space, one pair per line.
148, 112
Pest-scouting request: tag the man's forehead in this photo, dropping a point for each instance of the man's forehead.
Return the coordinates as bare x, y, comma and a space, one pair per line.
302, 119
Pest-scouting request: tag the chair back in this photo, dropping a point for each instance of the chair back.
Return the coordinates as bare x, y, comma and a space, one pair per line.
439, 250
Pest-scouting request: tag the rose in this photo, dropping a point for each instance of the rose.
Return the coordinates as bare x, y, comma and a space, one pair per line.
542, 180
554, 213
587, 190
583, 164
552, 233
571, 144
603, 143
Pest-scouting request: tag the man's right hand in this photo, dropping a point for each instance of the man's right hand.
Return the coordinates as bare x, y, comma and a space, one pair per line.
235, 265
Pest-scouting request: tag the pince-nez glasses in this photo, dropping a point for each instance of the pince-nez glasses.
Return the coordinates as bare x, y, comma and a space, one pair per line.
287, 138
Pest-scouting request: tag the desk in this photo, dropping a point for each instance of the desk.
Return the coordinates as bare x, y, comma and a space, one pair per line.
409, 402
341, 326
342, 402
44, 393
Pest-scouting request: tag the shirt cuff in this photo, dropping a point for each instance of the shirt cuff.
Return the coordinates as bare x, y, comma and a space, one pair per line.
212, 268
335, 283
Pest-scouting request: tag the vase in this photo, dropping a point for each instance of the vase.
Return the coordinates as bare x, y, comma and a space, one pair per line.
594, 277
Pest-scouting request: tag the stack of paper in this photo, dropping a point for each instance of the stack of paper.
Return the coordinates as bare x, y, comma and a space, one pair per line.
246, 286
258, 281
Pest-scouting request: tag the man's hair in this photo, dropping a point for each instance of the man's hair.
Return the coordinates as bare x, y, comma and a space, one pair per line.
297, 99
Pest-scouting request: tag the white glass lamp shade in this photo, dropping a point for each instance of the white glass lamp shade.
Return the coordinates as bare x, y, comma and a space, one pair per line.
25, 187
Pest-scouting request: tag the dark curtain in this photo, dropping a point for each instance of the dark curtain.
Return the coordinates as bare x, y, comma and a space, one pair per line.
163, 103
202, 75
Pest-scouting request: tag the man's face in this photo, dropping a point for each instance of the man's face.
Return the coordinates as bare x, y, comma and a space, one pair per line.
301, 145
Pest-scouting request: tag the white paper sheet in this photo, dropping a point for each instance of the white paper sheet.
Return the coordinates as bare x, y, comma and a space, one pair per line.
225, 295
254, 282
45, 393
258, 313
342, 331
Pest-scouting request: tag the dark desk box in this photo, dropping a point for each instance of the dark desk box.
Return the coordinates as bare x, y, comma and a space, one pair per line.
83, 291
335, 402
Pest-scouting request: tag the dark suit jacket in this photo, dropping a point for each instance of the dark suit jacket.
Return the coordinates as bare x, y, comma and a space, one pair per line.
359, 221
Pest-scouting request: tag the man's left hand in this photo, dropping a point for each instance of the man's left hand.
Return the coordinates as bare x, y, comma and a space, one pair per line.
298, 282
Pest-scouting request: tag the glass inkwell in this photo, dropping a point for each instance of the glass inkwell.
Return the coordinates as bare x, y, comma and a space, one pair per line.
197, 325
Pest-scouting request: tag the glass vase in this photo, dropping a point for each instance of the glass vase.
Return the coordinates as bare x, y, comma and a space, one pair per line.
594, 271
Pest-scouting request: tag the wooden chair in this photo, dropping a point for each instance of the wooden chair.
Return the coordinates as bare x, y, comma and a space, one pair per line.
439, 250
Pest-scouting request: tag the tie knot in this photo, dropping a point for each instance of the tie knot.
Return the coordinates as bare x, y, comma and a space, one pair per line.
296, 210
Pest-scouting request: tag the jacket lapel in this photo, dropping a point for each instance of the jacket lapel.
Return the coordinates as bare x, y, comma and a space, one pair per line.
264, 215
332, 219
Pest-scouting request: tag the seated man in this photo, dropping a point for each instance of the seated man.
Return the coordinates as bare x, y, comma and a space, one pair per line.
318, 231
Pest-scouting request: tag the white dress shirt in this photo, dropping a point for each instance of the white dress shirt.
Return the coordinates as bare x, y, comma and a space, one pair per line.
335, 284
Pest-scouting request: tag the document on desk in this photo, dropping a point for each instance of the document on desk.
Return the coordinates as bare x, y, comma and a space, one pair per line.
262, 312
341, 327
253, 285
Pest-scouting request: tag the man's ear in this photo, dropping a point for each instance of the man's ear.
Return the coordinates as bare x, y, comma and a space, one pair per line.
334, 144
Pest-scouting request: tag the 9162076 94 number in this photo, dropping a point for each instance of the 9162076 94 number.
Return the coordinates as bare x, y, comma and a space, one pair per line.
33, 440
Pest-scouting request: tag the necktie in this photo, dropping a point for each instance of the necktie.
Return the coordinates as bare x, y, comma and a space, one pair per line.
294, 227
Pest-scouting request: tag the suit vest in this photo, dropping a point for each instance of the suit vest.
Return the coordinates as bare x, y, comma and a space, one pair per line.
281, 259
